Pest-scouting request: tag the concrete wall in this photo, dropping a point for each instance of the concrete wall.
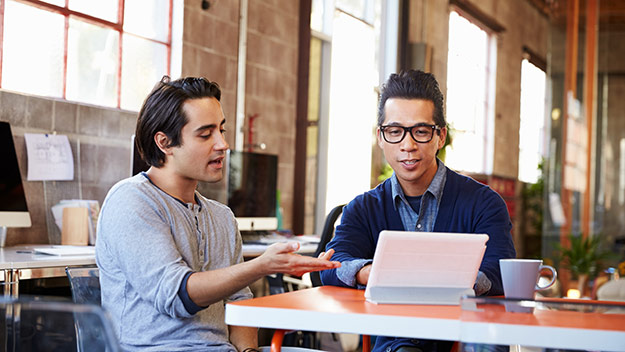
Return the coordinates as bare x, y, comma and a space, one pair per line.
100, 141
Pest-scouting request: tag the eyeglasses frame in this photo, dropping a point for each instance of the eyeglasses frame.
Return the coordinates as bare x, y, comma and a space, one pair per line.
409, 129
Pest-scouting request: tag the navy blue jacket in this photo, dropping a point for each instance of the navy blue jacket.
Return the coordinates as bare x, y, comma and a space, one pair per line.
466, 207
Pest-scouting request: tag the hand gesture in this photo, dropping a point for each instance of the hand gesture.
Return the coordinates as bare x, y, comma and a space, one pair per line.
280, 258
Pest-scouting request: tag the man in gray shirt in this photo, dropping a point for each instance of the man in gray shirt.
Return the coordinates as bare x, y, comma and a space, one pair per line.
169, 258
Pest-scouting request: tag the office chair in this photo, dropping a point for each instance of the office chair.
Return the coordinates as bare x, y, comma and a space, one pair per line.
36, 324
326, 236
85, 284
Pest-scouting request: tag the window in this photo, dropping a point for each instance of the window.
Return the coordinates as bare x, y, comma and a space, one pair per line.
532, 131
104, 52
470, 96
343, 46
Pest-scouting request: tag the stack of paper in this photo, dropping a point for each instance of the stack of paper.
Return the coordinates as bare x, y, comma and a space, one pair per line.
92, 206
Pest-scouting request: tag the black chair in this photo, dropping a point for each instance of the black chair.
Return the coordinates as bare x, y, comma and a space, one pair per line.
307, 339
85, 284
49, 324
326, 236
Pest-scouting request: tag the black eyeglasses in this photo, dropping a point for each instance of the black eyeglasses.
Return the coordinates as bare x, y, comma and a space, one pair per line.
421, 132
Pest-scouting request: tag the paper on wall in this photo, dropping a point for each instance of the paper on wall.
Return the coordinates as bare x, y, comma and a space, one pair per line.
49, 157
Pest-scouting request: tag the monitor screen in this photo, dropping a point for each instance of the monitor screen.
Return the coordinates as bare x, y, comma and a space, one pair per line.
13, 207
252, 189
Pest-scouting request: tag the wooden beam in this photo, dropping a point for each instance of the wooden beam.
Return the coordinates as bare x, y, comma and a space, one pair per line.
301, 119
589, 102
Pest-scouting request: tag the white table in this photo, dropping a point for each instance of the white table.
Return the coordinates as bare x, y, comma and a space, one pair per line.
22, 263
308, 244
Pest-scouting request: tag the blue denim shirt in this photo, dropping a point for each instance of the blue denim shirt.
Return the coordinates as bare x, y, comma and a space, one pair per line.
423, 222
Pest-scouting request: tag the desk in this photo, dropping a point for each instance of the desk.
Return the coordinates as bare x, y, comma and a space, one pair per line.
15, 265
334, 309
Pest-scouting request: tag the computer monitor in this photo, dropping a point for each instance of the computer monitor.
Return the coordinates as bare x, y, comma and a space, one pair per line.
13, 207
252, 189
137, 164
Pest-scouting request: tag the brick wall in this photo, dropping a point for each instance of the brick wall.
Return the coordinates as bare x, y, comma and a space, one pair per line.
271, 86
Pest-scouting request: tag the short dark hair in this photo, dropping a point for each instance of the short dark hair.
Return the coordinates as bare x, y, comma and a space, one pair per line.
162, 112
413, 84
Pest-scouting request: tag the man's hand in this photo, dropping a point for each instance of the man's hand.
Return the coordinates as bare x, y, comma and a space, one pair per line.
362, 277
280, 258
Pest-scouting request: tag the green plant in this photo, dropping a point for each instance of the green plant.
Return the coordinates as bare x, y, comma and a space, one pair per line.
532, 214
442, 153
584, 256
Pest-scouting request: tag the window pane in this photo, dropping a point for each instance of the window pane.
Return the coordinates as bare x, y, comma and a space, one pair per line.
92, 61
148, 19
355, 8
467, 95
316, 15
60, 3
531, 132
104, 9
32, 59
143, 64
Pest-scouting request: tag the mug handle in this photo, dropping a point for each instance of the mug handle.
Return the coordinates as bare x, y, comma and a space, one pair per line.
554, 276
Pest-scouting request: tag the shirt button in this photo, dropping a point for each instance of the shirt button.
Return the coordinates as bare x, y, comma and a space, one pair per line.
418, 226
202, 253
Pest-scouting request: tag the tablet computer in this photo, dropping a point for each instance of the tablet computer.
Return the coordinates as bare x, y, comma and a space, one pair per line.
424, 267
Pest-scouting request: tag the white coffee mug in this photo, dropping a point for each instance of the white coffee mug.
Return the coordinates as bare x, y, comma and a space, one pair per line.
520, 277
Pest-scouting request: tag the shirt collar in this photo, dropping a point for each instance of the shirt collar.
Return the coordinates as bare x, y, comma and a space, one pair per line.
195, 207
435, 188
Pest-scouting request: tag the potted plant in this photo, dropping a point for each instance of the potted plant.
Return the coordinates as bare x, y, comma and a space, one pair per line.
583, 257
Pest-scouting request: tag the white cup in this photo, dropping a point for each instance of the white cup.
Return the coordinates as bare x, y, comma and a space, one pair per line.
520, 277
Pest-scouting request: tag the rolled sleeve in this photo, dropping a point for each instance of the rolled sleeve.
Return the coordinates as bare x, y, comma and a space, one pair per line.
189, 305
349, 269
482, 284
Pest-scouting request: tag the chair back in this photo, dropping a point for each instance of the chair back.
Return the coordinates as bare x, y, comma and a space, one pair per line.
326, 236
36, 324
613, 290
85, 284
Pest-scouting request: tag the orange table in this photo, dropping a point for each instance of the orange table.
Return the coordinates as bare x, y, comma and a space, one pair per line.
552, 323
343, 310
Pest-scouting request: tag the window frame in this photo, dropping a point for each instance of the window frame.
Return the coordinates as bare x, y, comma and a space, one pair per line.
492, 28
67, 13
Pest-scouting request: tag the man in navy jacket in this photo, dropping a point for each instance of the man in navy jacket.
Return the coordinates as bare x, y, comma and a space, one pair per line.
422, 195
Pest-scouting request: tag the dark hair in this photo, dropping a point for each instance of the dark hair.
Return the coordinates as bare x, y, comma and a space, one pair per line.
413, 84
162, 112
